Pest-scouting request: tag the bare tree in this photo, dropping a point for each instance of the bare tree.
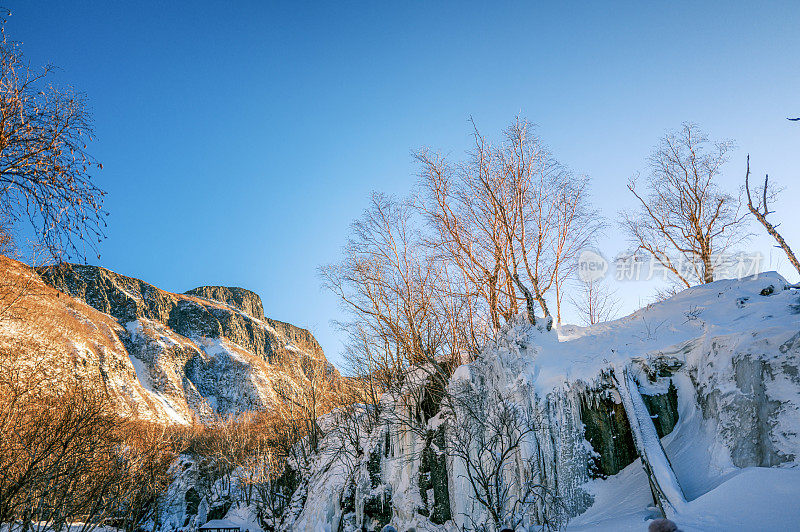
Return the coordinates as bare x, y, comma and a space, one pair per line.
486, 437
553, 219
459, 314
387, 283
66, 458
511, 218
307, 388
468, 232
45, 170
364, 357
684, 220
246, 458
596, 303
760, 210
144, 465
262, 475
58, 456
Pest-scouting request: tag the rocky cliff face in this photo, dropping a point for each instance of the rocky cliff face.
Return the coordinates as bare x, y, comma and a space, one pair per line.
249, 303
245, 300
166, 356
207, 311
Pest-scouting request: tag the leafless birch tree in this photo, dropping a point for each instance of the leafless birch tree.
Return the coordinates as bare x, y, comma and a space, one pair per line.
511, 218
685, 221
386, 283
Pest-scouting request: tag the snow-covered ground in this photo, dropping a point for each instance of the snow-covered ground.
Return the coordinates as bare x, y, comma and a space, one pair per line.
719, 495
724, 323
753, 498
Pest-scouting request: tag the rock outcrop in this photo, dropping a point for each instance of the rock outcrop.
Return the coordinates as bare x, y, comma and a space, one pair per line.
207, 311
245, 300
165, 356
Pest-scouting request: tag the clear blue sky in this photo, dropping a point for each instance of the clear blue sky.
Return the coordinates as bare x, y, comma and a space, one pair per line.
240, 139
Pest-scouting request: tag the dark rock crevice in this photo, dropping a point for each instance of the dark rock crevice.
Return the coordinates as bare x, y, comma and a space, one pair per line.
608, 431
433, 483
377, 502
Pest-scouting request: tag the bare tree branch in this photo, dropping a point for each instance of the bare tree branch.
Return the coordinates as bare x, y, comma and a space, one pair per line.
760, 211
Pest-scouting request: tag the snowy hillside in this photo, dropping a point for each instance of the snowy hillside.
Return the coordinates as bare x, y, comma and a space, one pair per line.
160, 356
704, 385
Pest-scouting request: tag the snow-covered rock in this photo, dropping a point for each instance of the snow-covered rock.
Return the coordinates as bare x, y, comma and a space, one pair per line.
706, 384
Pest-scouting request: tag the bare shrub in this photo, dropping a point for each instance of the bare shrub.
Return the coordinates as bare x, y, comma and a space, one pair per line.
143, 462
57, 459
66, 457
596, 302
486, 436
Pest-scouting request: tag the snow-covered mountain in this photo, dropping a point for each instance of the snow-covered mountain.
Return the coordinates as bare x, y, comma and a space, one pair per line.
704, 385
688, 408
162, 356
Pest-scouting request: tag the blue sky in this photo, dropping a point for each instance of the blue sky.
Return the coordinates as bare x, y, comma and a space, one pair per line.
240, 139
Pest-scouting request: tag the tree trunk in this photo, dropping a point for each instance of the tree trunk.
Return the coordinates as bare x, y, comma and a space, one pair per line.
708, 269
528, 299
777, 236
493, 302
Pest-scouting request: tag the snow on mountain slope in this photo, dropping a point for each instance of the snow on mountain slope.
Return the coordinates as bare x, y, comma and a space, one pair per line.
161, 356
718, 370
